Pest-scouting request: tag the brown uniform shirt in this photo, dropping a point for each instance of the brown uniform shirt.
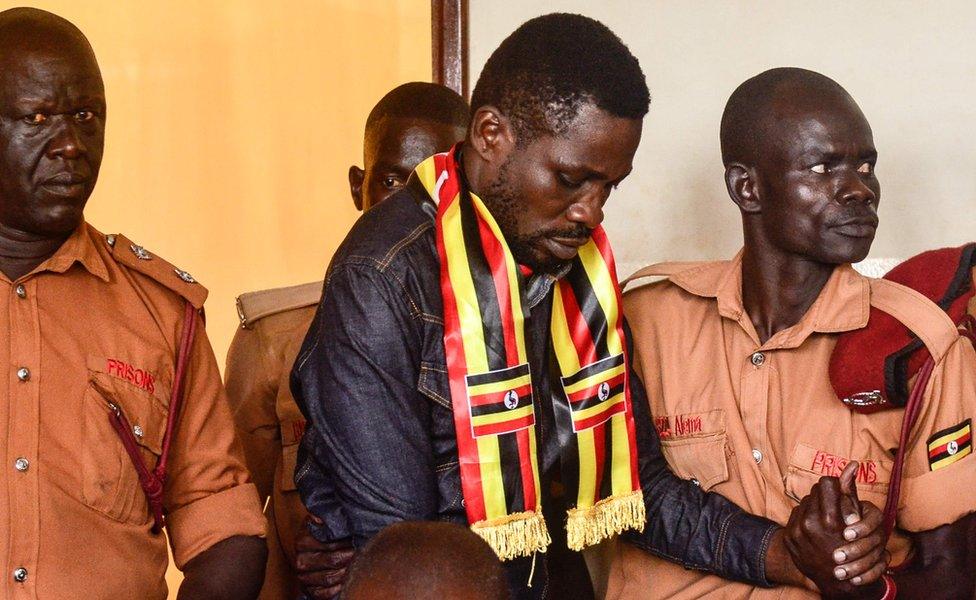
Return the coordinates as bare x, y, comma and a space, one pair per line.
96, 323
760, 423
269, 423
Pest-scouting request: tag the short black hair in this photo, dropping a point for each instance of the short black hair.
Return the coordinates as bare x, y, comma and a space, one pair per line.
750, 105
420, 100
39, 29
549, 67
426, 560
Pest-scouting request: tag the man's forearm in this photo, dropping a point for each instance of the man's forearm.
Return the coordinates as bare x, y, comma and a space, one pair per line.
704, 531
232, 569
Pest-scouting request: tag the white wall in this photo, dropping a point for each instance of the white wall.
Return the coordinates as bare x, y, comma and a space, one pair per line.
910, 65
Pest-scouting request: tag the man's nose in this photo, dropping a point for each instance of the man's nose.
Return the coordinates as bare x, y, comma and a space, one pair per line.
65, 139
853, 189
587, 211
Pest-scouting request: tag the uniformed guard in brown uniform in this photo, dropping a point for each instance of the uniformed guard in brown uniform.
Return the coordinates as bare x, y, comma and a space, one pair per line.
410, 123
735, 354
273, 325
92, 331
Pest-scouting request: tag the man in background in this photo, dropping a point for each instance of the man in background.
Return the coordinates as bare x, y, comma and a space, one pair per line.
410, 123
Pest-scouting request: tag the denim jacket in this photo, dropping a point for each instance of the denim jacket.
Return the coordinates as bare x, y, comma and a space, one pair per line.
380, 447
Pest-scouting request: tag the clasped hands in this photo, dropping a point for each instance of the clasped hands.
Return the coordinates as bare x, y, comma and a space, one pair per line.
833, 539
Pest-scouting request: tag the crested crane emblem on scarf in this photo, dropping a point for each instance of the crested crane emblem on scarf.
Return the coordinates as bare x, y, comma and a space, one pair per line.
596, 392
501, 401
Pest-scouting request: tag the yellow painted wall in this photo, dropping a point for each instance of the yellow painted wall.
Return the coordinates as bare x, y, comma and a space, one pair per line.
231, 125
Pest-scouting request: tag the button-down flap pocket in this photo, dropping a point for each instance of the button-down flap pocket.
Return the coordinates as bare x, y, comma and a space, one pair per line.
110, 482
150, 374
146, 416
694, 445
809, 464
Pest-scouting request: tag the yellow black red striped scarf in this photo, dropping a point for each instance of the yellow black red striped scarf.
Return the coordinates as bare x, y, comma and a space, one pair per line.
491, 383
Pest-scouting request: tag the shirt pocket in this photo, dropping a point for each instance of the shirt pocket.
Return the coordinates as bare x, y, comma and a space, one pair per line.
291, 437
808, 464
694, 445
110, 482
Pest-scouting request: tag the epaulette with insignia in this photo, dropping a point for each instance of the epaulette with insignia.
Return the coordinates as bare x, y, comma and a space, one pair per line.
254, 306
137, 258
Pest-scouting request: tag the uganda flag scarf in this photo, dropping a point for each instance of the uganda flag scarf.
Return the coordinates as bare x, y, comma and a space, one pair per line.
491, 383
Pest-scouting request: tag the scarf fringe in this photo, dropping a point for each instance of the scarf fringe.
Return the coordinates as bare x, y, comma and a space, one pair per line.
608, 517
514, 535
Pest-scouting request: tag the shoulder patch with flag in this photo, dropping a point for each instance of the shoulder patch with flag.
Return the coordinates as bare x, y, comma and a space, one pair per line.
950, 445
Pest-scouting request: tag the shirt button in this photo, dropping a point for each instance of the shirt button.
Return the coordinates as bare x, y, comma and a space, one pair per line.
23, 373
21, 291
20, 574
758, 359
757, 456
21, 464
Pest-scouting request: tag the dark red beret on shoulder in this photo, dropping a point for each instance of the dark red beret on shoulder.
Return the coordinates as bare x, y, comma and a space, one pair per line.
885, 355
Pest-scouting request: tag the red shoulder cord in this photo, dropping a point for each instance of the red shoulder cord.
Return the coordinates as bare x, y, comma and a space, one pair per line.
153, 481
967, 329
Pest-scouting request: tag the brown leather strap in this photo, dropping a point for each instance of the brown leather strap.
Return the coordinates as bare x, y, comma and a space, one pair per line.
153, 482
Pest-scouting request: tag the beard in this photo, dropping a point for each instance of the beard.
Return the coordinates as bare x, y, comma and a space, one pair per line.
506, 203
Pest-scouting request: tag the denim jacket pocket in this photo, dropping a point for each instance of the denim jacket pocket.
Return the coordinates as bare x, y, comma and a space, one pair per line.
433, 383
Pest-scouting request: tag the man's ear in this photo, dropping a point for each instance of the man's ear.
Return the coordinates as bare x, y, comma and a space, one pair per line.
742, 184
492, 135
356, 178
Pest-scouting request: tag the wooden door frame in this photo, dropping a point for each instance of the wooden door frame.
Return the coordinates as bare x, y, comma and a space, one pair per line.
449, 44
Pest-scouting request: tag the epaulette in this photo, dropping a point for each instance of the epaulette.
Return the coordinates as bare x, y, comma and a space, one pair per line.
870, 368
137, 258
253, 306
664, 269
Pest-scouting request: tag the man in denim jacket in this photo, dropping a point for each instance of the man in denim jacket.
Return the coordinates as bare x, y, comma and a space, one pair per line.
557, 116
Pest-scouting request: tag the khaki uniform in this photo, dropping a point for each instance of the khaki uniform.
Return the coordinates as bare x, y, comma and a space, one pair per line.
269, 423
100, 322
759, 422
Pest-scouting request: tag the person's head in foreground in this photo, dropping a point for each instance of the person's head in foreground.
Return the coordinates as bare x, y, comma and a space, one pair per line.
426, 561
411, 122
799, 163
52, 124
556, 120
